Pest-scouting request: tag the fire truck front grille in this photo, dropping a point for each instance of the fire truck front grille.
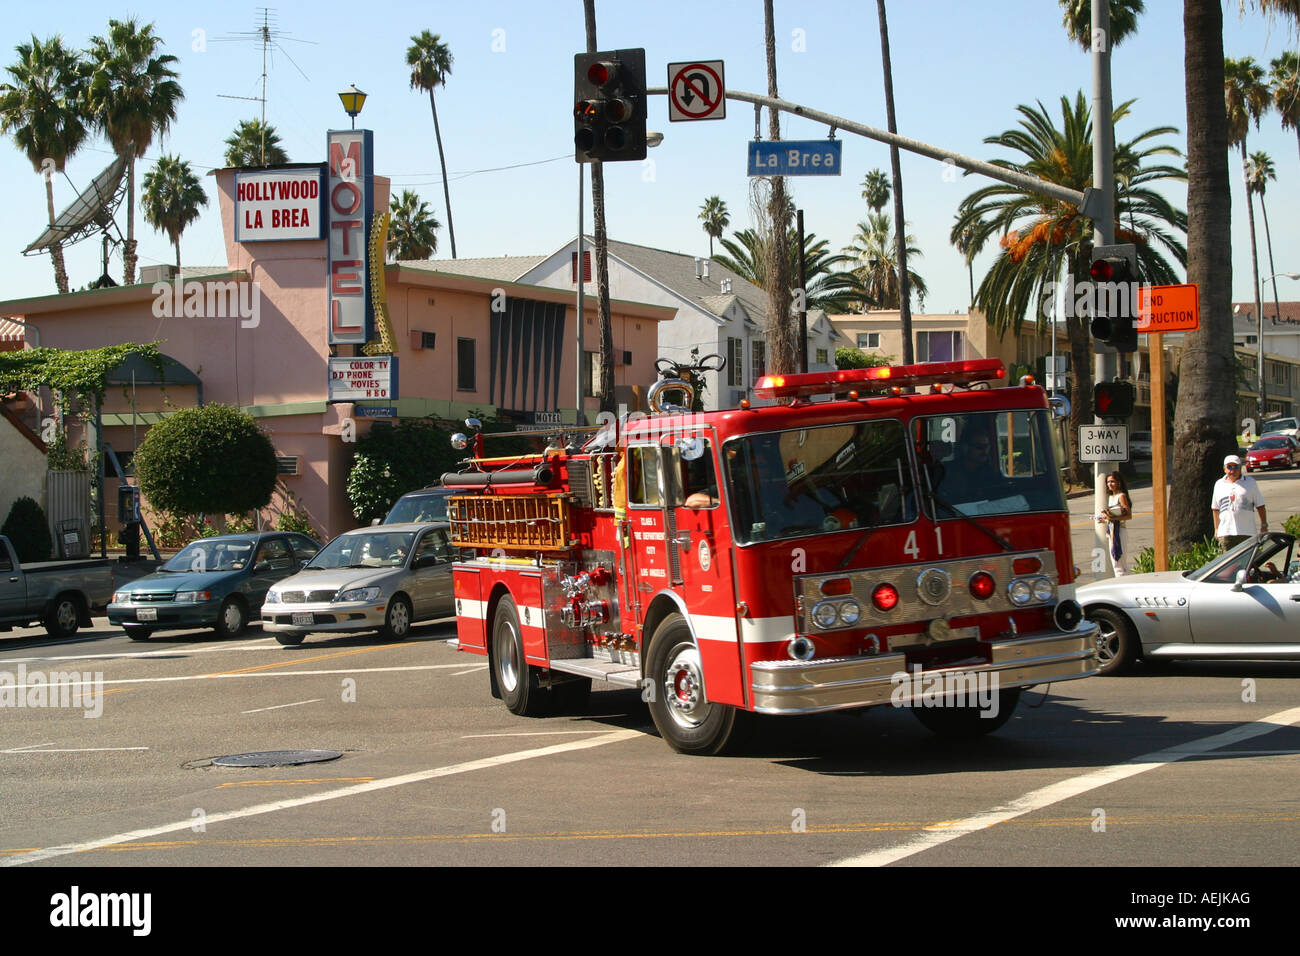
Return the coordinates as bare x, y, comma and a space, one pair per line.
925, 591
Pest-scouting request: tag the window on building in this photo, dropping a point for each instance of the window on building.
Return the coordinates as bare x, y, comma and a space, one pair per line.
940, 346
735, 362
465, 381
868, 340
823, 357
586, 266
758, 358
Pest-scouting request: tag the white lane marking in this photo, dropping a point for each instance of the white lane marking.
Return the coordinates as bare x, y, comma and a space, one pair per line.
1073, 787
34, 749
278, 706
529, 733
472, 670
159, 652
185, 677
468, 766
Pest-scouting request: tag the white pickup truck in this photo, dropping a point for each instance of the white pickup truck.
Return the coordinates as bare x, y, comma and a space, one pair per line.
56, 594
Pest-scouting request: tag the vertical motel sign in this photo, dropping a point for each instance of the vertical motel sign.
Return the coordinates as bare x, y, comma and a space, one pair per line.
350, 206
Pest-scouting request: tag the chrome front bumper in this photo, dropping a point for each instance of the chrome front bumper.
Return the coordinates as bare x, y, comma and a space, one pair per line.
838, 683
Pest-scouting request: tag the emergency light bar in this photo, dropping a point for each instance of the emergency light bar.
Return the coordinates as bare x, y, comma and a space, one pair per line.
879, 378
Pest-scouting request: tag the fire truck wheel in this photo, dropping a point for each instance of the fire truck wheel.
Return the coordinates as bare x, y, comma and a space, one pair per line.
686, 720
967, 722
1115, 643
516, 680
397, 622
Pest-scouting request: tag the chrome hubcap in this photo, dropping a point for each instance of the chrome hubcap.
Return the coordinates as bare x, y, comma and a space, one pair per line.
1106, 640
684, 687
233, 618
401, 621
507, 661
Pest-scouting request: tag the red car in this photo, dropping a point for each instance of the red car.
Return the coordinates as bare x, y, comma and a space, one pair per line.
1275, 451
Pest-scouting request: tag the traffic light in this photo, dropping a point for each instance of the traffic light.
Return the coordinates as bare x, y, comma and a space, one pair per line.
1113, 399
1114, 290
609, 106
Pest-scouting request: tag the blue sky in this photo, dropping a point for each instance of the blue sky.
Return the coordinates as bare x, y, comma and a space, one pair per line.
960, 70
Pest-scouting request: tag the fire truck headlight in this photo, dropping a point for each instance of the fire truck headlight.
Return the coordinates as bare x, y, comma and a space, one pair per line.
825, 614
1043, 590
850, 612
1021, 592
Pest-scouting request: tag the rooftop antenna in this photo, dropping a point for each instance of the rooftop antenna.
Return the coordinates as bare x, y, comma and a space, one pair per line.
270, 36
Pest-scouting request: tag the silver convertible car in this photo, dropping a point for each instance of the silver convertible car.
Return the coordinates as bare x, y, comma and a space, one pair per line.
381, 578
1244, 604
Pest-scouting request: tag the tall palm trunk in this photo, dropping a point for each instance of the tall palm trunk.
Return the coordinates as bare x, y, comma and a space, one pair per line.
1081, 364
128, 248
442, 160
1268, 243
900, 226
602, 254
1204, 421
782, 343
56, 250
1254, 271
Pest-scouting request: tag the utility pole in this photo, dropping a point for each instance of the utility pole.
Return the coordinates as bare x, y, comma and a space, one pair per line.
1103, 221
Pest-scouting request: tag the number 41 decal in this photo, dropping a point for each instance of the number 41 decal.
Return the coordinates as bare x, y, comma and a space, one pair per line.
910, 547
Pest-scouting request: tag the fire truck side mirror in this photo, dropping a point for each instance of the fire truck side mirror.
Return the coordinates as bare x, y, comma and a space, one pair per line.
670, 476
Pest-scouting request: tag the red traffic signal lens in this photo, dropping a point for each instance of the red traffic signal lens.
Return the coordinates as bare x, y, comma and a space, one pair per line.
1102, 270
600, 72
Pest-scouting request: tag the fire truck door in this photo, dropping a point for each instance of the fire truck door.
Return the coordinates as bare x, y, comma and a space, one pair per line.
699, 549
648, 555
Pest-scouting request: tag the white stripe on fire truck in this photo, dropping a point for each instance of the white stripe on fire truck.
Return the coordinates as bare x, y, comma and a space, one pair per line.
766, 630
467, 607
709, 628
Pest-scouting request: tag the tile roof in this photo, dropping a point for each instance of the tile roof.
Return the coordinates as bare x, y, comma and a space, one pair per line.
676, 271
499, 268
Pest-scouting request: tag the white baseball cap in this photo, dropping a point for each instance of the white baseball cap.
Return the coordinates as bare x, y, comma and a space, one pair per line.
1232, 460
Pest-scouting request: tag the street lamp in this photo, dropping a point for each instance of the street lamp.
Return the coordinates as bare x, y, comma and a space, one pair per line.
1259, 338
353, 99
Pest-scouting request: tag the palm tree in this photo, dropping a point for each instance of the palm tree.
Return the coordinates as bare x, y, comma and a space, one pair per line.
133, 94
1123, 20
715, 217
1259, 170
42, 110
1286, 89
830, 287
1247, 98
1205, 425
784, 349
875, 249
875, 189
1040, 237
430, 62
254, 143
413, 231
172, 197
970, 245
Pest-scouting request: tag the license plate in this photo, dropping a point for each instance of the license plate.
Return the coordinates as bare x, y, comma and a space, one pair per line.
303, 619
146, 614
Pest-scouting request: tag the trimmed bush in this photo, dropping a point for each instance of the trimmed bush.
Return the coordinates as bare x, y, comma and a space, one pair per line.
28, 531
210, 460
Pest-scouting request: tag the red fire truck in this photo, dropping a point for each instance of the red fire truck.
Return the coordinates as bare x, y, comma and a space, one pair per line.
884, 535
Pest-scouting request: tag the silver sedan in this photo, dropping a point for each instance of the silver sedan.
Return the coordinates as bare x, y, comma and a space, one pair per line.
1244, 604
382, 578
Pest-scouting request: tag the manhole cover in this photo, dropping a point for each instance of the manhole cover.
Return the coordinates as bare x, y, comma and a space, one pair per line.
277, 758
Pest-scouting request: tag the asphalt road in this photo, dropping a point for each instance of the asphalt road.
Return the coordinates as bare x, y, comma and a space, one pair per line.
1176, 767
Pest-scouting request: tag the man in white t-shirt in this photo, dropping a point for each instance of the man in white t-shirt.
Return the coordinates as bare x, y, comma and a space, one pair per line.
1235, 500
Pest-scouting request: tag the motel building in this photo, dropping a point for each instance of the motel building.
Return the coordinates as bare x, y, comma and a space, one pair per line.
281, 331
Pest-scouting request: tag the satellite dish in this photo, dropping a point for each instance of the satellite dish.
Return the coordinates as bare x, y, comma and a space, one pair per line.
89, 213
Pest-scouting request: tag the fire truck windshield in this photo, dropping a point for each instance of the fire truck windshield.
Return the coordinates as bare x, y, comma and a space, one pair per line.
988, 463
820, 479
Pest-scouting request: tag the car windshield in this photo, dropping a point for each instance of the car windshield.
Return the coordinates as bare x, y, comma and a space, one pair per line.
1266, 553
419, 507
219, 554
1270, 443
989, 463
371, 549
814, 480
1279, 424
